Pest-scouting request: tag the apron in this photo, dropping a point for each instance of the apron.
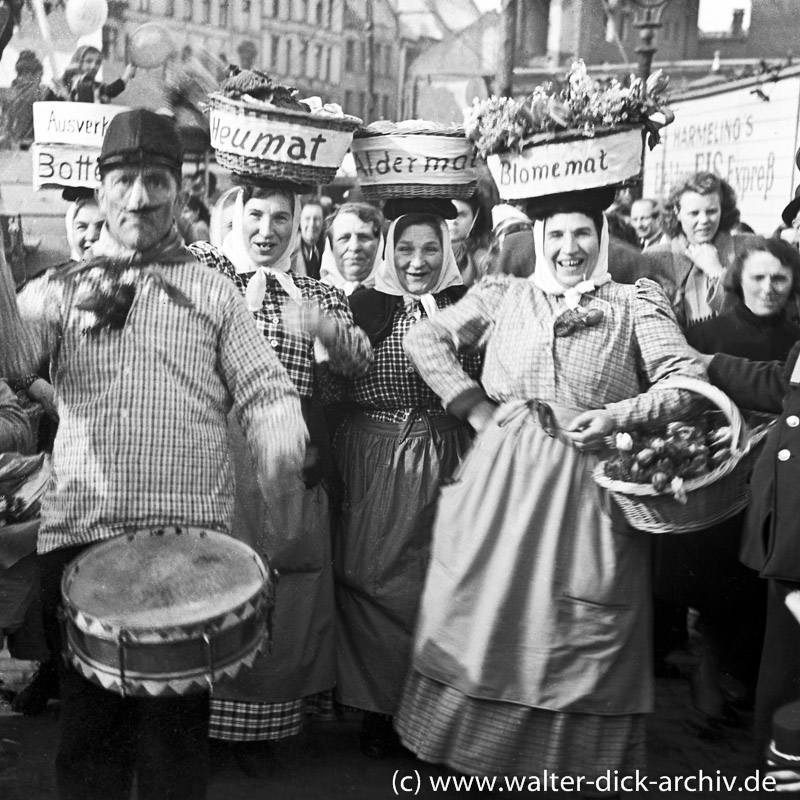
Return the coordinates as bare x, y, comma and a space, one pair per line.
535, 595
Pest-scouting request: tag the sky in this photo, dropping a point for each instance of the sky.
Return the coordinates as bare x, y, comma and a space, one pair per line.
715, 15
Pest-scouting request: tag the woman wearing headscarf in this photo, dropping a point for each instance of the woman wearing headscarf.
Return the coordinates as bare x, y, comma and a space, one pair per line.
532, 639
396, 445
307, 323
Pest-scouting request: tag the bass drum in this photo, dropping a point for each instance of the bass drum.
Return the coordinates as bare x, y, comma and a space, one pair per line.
163, 612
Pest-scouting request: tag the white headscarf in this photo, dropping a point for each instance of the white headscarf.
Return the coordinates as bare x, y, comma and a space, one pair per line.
330, 274
69, 219
386, 279
215, 235
545, 277
235, 247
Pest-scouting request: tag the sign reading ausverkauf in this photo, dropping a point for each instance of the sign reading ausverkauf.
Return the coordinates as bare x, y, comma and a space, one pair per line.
67, 142
552, 167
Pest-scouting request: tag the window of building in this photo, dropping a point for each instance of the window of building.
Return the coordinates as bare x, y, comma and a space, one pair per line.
319, 61
362, 105
274, 50
319, 12
302, 10
385, 107
144, 5
388, 64
348, 102
246, 6
223, 13
289, 58
350, 56
377, 58
205, 11
276, 8
169, 9
302, 68
328, 59
188, 10
110, 41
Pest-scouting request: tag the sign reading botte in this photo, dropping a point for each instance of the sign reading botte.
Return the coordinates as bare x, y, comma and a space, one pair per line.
570, 166
67, 142
278, 140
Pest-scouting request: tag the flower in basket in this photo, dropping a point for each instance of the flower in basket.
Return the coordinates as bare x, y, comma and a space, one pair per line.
666, 457
579, 104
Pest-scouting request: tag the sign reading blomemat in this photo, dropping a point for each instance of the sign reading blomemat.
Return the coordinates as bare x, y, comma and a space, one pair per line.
67, 142
414, 159
567, 166
277, 140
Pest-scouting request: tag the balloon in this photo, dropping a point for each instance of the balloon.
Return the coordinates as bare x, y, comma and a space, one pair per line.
86, 16
150, 46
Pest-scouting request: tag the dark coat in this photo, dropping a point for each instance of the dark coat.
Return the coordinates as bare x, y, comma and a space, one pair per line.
771, 542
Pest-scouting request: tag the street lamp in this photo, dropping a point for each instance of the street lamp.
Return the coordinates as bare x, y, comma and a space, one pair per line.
647, 20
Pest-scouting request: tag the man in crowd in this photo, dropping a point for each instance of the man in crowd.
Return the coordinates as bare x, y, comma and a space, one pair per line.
150, 351
354, 236
646, 222
307, 257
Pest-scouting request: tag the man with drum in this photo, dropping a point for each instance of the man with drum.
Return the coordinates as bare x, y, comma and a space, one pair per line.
149, 352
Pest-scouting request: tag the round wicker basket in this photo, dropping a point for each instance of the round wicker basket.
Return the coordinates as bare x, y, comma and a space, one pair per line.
273, 123
419, 158
710, 498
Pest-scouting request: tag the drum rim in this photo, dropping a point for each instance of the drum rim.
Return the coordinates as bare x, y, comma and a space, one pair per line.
91, 624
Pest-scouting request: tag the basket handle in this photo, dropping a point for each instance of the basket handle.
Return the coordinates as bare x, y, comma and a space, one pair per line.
738, 427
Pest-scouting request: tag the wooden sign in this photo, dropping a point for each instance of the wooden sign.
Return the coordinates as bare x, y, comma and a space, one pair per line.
568, 166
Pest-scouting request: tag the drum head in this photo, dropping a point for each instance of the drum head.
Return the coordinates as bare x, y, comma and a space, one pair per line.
163, 578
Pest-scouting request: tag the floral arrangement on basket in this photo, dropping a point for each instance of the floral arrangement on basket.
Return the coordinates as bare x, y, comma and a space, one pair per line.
260, 128
581, 134
684, 476
414, 158
580, 105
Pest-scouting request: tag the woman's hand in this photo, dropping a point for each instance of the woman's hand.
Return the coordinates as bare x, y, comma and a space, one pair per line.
481, 415
706, 258
43, 393
130, 72
588, 430
303, 317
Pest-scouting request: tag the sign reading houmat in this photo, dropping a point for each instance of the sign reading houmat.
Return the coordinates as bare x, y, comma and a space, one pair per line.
67, 142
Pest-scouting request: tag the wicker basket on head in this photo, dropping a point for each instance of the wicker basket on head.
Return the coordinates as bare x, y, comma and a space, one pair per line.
262, 141
710, 498
414, 159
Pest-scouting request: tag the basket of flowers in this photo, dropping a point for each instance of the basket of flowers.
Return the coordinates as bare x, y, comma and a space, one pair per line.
260, 129
685, 476
594, 131
414, 158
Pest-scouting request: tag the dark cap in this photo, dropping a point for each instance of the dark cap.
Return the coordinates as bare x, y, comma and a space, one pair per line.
141, 137
583, 200
790, 212
437, 206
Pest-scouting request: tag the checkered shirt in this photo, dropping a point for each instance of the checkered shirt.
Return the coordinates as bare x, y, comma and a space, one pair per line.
349, 354
618, 364
392, 388
143, 439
